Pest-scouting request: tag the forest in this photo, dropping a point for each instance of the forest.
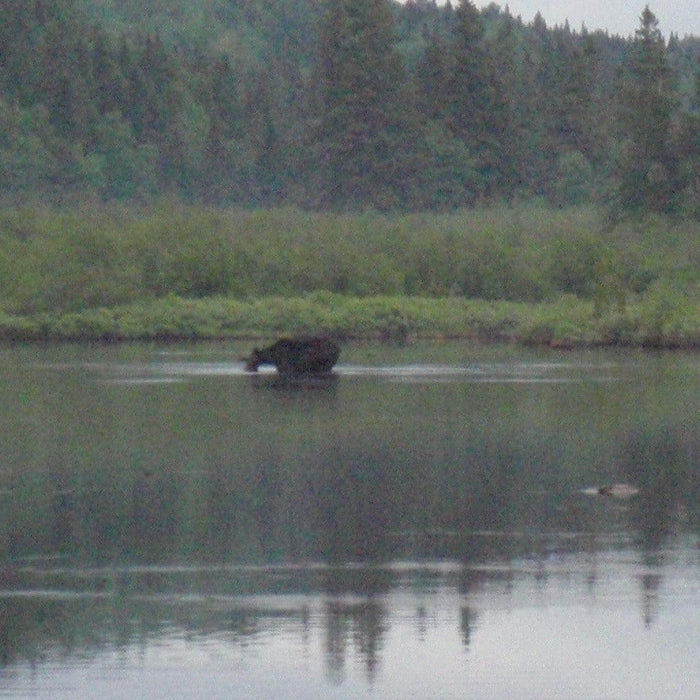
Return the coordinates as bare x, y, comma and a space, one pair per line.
223, 168
342, 105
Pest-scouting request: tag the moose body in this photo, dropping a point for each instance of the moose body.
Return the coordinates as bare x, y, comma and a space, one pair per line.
297, 356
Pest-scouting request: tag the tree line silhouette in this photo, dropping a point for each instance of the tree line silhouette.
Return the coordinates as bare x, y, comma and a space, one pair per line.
343, 104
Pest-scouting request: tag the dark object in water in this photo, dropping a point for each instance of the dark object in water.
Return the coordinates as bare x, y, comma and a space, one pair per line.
619, 491
622, 491
297, 356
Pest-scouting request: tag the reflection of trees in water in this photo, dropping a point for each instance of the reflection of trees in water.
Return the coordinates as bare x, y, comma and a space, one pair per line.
663, 464
467, 617
351, 608
650, 585
362, 503
353, 505
340, 498
357, 627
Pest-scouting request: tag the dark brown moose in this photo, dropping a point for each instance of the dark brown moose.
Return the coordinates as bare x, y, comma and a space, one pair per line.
297, 356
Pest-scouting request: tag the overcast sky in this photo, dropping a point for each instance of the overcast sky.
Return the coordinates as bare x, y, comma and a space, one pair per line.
617, 16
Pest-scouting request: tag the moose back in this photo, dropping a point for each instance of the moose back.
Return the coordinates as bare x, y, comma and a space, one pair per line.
297, 355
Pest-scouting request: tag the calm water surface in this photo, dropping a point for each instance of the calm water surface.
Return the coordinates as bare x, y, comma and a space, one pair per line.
416, 527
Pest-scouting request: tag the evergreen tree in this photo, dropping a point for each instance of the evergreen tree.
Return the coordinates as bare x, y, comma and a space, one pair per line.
646, 169
502, 141
107, 81
371, 104
265, 149
364, 131
478, 113
469, 82
686, 149
220, 96
433, 80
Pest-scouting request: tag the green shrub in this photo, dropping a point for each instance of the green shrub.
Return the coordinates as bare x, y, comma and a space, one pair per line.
368, 273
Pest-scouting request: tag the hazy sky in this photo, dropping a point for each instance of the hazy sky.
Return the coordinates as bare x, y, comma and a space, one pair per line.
617, 16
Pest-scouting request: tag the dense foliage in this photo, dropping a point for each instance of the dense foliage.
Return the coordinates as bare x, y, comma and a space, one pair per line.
93, 257
343, 104
181, 169
528, 273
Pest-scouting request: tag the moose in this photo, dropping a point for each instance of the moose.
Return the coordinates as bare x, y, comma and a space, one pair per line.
297, 356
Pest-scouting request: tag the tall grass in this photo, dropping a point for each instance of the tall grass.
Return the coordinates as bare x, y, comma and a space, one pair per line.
565, 323
272, 266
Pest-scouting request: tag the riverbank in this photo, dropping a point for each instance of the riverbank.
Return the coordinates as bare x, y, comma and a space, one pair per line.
526, 274
660, 321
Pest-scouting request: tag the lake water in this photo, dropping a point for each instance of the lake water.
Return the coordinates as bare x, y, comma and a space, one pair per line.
419, 526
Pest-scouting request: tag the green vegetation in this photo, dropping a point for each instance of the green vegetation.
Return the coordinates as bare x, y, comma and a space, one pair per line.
530, 274
177, 169
342, 105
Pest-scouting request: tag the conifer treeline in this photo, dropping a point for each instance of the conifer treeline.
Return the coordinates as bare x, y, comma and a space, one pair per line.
345, 104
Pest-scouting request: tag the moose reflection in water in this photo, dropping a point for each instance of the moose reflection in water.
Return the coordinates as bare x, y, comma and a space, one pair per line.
297, 356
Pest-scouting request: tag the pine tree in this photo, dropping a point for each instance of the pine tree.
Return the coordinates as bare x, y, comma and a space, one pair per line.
469, 82
433, 79
478, 110
646, 168
220, 96
363, 132
687, 152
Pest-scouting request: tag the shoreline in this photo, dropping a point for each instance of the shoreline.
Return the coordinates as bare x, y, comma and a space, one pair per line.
566, 323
